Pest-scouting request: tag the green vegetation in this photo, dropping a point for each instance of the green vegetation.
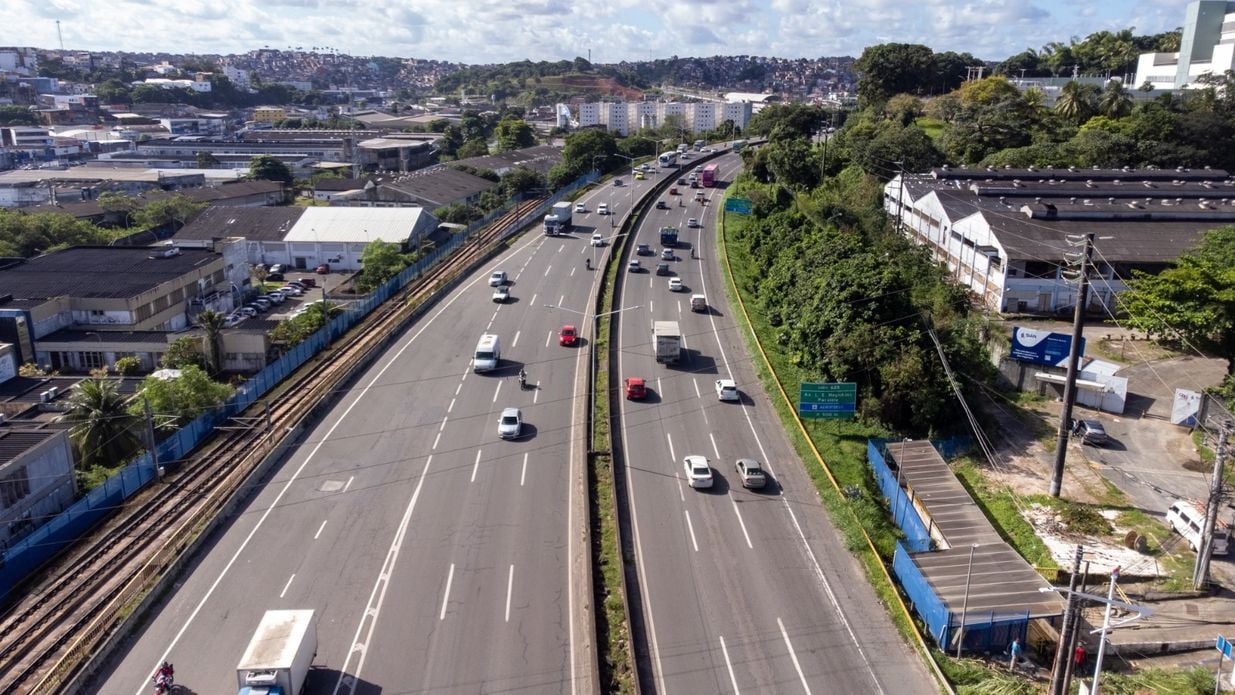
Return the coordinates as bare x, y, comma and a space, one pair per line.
381, 261
1177, 681
104, 434
1003, 507
28, 235
175, 402
264, 167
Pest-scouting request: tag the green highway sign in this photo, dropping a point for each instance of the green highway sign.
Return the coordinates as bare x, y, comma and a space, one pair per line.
828, 400
741, 206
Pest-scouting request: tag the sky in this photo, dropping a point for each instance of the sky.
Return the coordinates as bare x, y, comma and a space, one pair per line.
497, 31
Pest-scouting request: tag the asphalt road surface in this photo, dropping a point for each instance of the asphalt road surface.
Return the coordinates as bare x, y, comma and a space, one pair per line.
436, 555
743, 591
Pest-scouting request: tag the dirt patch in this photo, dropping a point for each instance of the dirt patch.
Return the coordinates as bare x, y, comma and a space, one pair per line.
1102, 555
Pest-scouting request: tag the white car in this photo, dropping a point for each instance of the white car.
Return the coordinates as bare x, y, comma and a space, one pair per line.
692, 222
602, 209
497, 279
598, 239
727, 390
233, 320
675, 285
501, 294
698, 472
510, 425
580, 208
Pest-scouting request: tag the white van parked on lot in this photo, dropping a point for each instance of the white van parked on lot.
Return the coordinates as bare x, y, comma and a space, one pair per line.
1189, 522
488, 353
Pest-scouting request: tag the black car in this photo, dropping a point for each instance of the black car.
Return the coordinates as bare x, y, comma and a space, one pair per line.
662, 268
274, 276
682, 181
662, 205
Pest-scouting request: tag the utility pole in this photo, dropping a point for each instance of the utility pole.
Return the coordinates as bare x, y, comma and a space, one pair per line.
1201, 576
900, 198
1074, 359
154, 454
1071, 616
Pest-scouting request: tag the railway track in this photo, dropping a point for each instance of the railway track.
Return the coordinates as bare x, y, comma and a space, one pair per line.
50, 634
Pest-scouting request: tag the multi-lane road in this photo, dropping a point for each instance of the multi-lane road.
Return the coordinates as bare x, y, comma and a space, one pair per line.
439, 557
743, 590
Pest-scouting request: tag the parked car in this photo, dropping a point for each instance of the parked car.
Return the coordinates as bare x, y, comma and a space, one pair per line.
1090, 431
248, 310
568, 336
497, 278
275, 297
727, 390
274, 277
698, 472
277, 268
751, 473
263, 304
298, 285
636, 388
322, 269
308, 282
233, 320
510, 425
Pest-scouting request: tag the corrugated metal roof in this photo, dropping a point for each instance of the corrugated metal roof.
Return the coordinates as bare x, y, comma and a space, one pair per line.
359, 224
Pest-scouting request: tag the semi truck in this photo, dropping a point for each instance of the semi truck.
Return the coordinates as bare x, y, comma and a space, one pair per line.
669, 237
668, 340
558, 219
279, 656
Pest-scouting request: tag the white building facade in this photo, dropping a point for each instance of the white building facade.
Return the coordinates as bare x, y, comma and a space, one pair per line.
1207, 46
625, 118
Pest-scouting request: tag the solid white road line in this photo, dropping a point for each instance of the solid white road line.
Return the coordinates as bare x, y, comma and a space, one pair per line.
377, 597
741, 523
793, 655
475, 466
523, 473
450, 577
285, 586
692, 530
320, 529
510, 584
728, 664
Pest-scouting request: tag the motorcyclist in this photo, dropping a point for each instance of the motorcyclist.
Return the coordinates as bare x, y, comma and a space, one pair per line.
164, 677
692, 252
587, 262
522, 377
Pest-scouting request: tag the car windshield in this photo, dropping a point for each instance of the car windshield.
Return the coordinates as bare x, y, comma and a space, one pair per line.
510, 420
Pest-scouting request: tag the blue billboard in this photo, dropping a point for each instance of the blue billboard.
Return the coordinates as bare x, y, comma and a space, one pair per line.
1042, 347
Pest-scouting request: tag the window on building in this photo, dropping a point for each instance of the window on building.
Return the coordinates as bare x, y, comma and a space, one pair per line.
14, 487
92, 360
1039, 269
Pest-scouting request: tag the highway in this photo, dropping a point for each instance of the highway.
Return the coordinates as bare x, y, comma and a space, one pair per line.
742, 591
437, 556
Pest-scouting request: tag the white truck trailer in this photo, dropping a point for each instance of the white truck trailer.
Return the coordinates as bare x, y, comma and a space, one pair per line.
279, 656
668, 340
558, 220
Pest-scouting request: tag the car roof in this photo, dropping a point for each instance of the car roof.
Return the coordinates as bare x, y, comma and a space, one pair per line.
727, 382
749, 463
634, 380
568, 327
508, 412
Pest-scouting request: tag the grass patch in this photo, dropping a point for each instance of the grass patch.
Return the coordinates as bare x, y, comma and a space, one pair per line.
1077, 517
975, 676
1003, 508
933, 127
92, 477
1192, 681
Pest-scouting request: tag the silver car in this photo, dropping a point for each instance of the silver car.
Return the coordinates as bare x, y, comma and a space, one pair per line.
510, 425
751, 473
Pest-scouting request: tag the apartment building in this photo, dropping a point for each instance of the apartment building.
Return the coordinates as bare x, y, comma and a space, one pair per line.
627, 117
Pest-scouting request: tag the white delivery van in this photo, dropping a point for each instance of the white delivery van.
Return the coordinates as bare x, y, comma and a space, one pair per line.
1189, 522
488, 353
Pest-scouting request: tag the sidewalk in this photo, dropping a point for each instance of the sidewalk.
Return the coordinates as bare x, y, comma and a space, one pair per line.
1181, 631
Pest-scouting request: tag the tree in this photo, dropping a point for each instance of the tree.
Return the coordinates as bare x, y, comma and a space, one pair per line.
578, 155
264, 167
1115, 101
381, 261
893, 68
787, 121
514, 134
903, 109
211, 322
206, 160
1193, 303
792, 163
183, 352
175, 402
17, 115
102, 430
473, 148
112, 201
29, 235
177, 209
520, 179
1075, 102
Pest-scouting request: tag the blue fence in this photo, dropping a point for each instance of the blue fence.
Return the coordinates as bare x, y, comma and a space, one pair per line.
904, 515
925, 601
47, 540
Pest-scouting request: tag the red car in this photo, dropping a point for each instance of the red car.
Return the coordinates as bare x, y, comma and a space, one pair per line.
568, 336
673, 191
636, 389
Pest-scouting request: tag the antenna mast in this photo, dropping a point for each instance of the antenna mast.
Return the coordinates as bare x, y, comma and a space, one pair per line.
59, 35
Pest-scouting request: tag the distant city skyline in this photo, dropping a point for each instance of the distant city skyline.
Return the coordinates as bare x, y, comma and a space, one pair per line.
499, 31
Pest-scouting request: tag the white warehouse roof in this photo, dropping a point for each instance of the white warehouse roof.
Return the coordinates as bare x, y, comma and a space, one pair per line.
362, 224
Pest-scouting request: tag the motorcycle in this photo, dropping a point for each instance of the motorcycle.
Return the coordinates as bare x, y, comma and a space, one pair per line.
692, 254
164, 679
588, 263
522, 379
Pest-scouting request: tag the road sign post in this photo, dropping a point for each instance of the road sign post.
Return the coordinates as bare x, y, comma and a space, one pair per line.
1224, 652
827, 400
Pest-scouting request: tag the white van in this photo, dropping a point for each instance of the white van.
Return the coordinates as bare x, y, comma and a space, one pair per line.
1189, 522
488, 353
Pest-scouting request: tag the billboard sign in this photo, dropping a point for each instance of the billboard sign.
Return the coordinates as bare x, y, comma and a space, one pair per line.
1042, 347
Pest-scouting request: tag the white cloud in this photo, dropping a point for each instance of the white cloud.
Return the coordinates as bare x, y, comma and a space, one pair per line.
483, 31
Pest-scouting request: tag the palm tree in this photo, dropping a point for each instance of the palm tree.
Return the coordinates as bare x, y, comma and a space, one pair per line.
211, 322
1116, 101
1075, 102
101, 428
